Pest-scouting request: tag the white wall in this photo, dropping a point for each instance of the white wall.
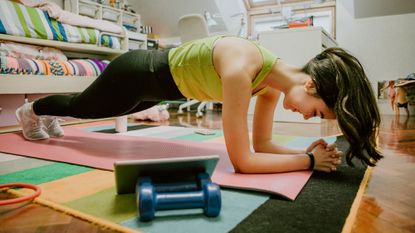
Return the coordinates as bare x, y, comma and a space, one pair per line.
371, 8
385, 45
231, 12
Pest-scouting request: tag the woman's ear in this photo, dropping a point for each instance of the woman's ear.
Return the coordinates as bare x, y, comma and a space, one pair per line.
310, 87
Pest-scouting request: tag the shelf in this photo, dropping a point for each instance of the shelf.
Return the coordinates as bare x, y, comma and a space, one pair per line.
66, 46
42, 84
104, 12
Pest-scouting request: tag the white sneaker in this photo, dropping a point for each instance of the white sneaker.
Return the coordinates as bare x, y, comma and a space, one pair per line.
52, 126
32, 125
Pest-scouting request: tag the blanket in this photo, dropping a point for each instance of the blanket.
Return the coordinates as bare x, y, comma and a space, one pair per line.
20, 20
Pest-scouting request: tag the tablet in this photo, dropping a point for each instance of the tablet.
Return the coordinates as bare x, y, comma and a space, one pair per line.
128, 171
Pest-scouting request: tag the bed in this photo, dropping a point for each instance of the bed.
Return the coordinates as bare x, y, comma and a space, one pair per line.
28, 25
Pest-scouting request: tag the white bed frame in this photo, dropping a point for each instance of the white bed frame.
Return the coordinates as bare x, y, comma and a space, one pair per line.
48, 84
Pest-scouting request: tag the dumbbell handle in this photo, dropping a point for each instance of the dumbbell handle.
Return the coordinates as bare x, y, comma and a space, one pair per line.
184, 186
177, 187
180, 200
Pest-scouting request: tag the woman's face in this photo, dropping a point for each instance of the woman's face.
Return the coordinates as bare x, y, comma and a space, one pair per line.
298, 99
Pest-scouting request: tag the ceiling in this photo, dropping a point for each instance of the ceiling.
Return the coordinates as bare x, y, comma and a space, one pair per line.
163, 15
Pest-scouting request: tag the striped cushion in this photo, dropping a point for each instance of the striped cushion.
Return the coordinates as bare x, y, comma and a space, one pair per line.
19, 20
77, 67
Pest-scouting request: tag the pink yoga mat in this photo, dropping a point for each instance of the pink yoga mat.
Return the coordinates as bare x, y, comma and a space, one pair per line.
100, 150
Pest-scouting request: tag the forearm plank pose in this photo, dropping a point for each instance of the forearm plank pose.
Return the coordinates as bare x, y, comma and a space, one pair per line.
232, 70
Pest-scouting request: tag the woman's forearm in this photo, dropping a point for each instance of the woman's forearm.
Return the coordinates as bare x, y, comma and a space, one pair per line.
273, 148
272, 163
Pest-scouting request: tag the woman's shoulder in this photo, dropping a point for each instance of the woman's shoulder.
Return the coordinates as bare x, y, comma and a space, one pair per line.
235, 48
232, 56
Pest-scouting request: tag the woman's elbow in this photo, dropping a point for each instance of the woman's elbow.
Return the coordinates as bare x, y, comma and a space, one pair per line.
242, 165
259, 146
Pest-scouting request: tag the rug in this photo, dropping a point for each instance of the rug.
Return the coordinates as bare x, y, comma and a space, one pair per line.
91, 192
100, 151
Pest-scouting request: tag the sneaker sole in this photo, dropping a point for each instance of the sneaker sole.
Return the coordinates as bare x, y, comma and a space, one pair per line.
55, 136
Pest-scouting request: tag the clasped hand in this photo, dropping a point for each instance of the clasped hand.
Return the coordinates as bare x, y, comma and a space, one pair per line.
326, 156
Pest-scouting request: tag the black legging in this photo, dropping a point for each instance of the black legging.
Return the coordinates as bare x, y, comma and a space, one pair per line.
132, 82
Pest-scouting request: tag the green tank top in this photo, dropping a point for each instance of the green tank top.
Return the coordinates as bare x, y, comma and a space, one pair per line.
191, 65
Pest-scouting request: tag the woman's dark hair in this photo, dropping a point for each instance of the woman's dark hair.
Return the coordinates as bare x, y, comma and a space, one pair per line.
343, 85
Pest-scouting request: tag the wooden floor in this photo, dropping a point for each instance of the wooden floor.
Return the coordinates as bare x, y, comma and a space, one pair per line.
388, 204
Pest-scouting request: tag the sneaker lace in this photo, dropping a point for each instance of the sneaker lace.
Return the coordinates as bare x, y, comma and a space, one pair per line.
37, 125
54, 123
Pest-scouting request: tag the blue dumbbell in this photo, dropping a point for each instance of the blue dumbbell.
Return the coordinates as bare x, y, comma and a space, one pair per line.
201, 179
149, 200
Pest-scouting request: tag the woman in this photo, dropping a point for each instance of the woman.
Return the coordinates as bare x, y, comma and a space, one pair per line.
231, 70
390, 85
